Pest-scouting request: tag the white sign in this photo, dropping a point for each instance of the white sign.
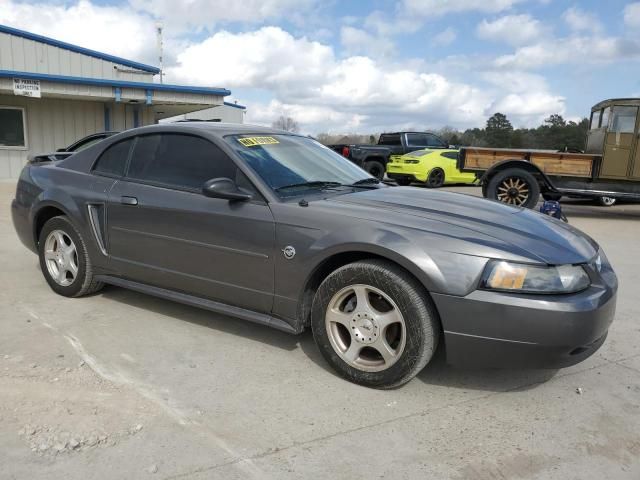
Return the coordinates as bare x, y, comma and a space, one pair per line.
26, 88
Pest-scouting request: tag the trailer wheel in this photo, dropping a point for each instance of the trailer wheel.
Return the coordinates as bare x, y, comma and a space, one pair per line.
514, 186
374, 168
607, 201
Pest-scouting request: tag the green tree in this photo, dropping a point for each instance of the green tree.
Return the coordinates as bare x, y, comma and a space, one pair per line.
498, 131
555, 120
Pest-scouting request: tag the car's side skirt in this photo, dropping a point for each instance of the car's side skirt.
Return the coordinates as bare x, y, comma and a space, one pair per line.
217, 307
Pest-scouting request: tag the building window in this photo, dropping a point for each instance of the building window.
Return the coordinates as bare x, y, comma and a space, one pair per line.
12, 128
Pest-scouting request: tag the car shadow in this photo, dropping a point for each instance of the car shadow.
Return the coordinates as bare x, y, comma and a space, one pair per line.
205, 318
439, 373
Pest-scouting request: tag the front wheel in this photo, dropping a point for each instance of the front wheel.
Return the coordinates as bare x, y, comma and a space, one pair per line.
435, 178
64, 259
374, 324
514, 186
375, 169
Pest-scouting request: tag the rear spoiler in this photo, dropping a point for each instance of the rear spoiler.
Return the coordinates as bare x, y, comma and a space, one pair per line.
49, 157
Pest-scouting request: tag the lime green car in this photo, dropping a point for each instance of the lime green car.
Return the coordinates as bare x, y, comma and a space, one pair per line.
434, 168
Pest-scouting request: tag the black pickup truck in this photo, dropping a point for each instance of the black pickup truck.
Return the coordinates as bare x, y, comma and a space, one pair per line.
374, 158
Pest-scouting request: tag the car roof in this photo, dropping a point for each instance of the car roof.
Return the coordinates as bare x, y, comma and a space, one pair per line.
213, 128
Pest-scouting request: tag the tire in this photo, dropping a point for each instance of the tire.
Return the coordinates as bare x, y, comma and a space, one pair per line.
412, 330
552, 196
56, 257
403, 182
607, 201
435, 179
515, 187
375, 168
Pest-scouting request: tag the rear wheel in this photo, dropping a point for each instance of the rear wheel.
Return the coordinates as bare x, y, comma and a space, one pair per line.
64, 259
607, 201
374, 324
435, 178
375, 168
514, 186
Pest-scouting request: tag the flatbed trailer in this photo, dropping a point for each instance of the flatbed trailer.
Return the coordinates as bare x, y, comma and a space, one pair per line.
609, 168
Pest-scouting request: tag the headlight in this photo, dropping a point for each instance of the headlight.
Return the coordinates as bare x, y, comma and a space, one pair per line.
519, 277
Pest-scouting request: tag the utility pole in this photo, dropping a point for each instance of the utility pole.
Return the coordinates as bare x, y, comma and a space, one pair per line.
160, 44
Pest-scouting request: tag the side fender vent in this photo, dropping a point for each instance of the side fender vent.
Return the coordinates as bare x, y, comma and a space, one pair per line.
96, 219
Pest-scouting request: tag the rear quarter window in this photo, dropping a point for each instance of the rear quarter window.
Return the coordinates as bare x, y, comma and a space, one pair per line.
389, 139
113, 160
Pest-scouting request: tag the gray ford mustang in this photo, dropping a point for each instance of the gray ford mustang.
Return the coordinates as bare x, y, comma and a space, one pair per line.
276, 229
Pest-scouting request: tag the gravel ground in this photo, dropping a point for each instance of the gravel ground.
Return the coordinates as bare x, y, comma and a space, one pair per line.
121, 385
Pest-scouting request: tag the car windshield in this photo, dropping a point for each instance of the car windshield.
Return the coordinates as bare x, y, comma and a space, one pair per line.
291, 164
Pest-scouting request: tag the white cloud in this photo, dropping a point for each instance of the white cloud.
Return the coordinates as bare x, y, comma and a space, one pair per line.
204, 14
303, 78
427, 8
528, 108
573, 50
357, 41
579, 20
511, 29
325, 93
632, 15
516, 81
268, 58
114, 30
445, 37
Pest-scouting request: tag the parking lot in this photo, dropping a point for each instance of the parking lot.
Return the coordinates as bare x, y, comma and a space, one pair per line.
124, 385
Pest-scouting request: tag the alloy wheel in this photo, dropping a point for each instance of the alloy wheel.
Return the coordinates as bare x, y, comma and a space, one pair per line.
61, 258
436, 178
365, 328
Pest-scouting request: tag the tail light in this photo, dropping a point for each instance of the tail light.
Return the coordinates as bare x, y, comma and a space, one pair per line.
345, 152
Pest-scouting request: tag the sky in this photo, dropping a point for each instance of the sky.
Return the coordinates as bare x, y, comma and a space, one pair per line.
356, 66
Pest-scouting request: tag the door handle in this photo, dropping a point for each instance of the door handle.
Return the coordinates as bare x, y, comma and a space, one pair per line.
128, 200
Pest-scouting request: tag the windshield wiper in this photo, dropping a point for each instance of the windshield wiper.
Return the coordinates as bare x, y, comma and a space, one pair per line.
365, 181
314, 184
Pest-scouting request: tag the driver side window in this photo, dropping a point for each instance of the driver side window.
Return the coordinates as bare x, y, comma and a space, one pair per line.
181, 161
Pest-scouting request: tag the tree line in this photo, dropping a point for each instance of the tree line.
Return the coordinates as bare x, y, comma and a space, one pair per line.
554, 134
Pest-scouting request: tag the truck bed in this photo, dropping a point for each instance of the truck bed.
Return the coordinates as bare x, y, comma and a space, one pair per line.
479, 160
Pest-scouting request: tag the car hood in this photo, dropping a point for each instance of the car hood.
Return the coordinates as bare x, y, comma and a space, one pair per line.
517, 231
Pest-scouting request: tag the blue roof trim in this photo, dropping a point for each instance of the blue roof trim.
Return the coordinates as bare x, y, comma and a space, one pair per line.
77, 49
235, 105
99, 82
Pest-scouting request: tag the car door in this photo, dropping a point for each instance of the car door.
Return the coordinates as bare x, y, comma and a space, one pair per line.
619, 142
164, 232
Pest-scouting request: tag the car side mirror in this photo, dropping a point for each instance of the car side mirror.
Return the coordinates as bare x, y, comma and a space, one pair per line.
224, 188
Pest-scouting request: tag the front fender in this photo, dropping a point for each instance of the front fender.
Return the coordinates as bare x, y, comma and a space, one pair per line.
383, 243
524, 165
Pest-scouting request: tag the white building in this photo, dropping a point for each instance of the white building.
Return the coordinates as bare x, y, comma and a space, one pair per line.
227, 113
53, 93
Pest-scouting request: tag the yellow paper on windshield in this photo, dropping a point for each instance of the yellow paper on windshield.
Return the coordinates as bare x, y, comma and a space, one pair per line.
253, 141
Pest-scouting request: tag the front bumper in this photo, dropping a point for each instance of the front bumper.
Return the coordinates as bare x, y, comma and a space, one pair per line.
491, 329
